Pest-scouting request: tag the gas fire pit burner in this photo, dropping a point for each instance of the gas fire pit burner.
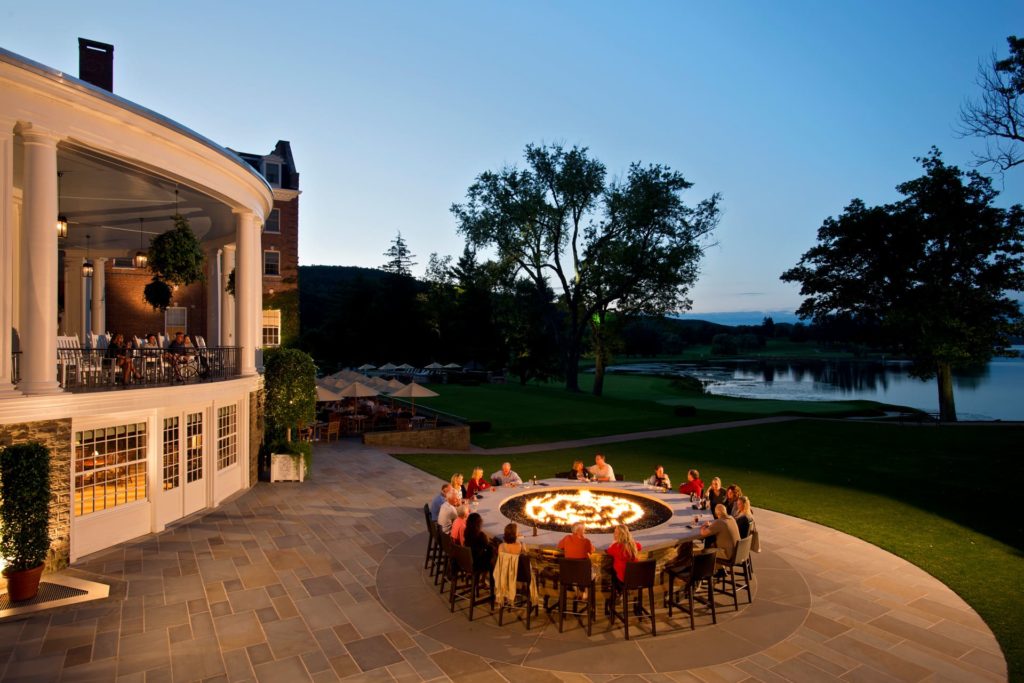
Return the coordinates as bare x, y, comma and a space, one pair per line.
601, 510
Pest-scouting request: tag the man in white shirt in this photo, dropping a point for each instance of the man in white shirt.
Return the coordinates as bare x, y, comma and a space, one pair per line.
600, 470
506, 476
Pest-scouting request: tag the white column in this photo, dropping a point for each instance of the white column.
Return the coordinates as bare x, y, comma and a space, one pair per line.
6, 256
227, 301
257, 288
212, 297
99, 296
245, 295
38, 285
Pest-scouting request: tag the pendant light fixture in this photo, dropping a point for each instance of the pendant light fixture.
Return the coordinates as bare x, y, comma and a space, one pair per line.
87, 269
62, 220
141, 259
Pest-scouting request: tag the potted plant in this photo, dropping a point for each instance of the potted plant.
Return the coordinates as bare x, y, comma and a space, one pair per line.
290, 382
24, 516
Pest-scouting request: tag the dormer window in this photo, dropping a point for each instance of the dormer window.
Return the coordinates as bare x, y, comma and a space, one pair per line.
272, 172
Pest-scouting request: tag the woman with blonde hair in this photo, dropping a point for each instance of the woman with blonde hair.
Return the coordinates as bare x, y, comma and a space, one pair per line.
579, 472
744, 518
456, 482
624, 549
477, 482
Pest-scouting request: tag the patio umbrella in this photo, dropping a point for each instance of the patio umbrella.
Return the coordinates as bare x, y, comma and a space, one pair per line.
325, 393
358, 390
388, 366
366, 366
405, 366
453, 366
394, 384
434, 366
413, 390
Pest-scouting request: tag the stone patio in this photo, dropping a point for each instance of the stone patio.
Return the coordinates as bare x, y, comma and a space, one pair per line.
323, 581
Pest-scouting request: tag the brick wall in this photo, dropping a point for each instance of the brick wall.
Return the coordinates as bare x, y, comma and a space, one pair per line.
55, 435
128, 312
288, 244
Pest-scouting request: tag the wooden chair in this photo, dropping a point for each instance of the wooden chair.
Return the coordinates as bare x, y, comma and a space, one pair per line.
433, 542
524, 576
639, 576
466, 580
740, 560
580, 575
334, 430
701, 571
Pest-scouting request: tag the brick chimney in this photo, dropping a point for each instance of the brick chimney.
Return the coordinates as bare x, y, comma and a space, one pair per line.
96, 63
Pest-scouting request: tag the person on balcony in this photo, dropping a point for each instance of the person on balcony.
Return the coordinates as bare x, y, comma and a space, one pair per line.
117, 351
178, 353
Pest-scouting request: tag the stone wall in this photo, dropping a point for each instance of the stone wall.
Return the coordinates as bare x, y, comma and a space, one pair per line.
55, 435
443, 438
256, 426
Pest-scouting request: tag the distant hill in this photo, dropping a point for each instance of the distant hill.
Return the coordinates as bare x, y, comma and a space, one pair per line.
732, 318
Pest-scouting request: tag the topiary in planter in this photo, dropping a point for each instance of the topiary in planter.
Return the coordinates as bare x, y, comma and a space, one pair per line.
24, 516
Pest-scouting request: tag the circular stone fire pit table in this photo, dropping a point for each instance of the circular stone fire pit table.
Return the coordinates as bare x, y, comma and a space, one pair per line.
500, 505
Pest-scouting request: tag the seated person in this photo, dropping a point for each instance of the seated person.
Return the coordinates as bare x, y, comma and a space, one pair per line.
117, 351
725, 533
622, 551
449, 511
478, 543
579, 472
693, 486
457, 487
506, 476
732, 494
438, 501
601, 470
510, 542
576, 545
744, 518
459, 525
659, 478
715, 494
476, 482
177, 352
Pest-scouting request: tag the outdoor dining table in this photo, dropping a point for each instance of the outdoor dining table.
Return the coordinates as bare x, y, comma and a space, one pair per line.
418, 421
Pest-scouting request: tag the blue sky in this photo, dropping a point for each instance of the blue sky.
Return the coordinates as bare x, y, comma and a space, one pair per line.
788, 109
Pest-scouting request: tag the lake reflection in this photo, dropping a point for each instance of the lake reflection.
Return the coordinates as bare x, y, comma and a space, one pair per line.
992, 392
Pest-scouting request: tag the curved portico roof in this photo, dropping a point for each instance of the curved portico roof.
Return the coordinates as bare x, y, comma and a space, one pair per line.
66, 80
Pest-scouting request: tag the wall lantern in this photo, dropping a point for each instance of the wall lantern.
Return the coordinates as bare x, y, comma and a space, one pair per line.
87, 269
62, 220
141, 259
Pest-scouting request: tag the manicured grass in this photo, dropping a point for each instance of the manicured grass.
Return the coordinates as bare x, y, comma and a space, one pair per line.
936, 496
547, 413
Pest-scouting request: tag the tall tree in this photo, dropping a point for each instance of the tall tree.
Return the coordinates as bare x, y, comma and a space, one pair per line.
600, 242
930, 273
998, 115
400, 259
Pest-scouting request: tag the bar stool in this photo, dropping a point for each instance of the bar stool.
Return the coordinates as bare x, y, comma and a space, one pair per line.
703, 569
580, 575
523, 600
639, 576
740, 560
466, 580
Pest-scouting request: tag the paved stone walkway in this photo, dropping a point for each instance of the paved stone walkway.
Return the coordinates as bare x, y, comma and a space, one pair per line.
610, 438
286, 583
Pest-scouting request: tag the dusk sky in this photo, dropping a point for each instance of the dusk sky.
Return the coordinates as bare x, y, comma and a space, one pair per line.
788, 109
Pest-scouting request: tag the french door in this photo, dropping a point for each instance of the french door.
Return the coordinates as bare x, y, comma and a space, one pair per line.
184, 466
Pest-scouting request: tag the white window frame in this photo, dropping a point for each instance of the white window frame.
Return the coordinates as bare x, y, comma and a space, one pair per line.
277, 222
266, 172
272, 324
227, 441
272, 251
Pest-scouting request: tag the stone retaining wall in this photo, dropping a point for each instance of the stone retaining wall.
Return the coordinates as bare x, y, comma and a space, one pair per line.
55, 435
455, 438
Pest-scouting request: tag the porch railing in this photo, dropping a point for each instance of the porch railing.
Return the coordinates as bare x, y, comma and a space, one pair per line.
82, 370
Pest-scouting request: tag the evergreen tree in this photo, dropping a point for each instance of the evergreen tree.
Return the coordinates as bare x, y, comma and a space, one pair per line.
400, 259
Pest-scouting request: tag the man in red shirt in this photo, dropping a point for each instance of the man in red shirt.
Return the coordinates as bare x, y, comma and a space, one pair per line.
694, 486
576, 545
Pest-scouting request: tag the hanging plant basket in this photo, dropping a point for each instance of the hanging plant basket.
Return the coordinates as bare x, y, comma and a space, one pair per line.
157, 294
176, 256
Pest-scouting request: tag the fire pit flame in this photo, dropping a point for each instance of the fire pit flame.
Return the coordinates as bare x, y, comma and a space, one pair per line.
598, 511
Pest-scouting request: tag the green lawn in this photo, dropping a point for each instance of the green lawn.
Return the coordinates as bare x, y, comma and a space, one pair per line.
935, 496
546, 413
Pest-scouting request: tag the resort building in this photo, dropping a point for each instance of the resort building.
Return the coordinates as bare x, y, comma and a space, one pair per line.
87, 179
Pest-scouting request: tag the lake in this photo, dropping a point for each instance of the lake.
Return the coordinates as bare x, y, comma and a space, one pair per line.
994, 392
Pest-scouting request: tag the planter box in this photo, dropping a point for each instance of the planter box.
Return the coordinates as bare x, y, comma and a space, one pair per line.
285, 467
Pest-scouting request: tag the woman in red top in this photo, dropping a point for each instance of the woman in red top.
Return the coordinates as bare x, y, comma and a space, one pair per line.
623, 550
477, 482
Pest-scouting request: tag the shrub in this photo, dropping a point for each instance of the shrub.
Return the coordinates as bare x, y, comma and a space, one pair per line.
479, 426
25, 504
724, 345
290, 380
